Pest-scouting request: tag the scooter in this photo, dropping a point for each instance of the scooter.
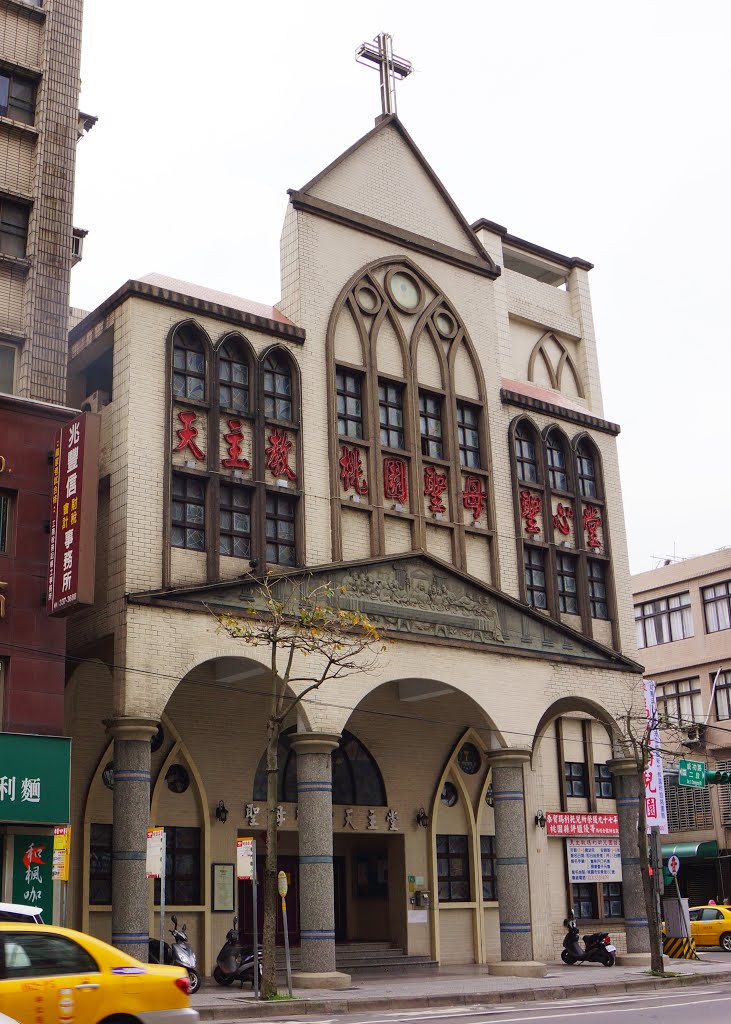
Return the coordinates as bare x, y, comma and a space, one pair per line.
179, 954
597, 947
235, 962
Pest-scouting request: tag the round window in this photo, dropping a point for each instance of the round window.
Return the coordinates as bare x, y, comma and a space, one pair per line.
469, 759
367, 299
449, 796
445, 324
177, 778
405, 291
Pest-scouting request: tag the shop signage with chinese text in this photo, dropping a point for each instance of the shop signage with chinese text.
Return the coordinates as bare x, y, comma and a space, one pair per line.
32, 884
34, 778
559, 823
72, 544
655, 808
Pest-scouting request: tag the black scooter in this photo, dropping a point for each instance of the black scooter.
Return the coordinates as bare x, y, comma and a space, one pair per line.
235, 962
179, 954
597, 947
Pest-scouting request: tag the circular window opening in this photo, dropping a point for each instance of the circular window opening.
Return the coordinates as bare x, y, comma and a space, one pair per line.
449, 796
405, 291
469, 759
177, 778
368, 300
445, 324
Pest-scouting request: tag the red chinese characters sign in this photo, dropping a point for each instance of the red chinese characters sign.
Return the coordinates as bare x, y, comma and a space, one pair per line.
559, 823
187, 434
591, 520
72, 545
351, 470
234, 442
474, 496
277, 454
394, 480
435, 484
530, 509
562, 519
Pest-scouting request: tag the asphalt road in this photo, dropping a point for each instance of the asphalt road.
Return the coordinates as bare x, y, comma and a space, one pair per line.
712, 1003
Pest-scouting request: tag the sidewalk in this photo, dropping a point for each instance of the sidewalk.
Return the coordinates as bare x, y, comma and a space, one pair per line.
454, 986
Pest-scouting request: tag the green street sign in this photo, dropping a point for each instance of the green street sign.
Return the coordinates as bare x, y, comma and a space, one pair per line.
34, 779
667, 877
693, 774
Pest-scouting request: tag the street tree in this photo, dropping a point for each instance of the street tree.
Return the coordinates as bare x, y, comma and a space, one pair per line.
644, 736
312, 638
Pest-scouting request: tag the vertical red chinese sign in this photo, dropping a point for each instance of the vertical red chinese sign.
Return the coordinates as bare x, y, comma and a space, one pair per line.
72, 546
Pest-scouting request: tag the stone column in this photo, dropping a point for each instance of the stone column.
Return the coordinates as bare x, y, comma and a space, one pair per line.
316, 886
628, 788
131, 803
511, 864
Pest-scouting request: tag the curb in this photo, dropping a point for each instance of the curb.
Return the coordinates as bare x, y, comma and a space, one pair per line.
250, 1010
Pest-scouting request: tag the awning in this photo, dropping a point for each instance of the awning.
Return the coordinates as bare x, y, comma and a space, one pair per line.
687, 851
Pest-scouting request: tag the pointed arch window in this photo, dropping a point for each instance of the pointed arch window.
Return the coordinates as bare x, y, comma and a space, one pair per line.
189, 364
557, 463
430, 425
468, 435
525, 454
277, 388
233, 378
586, 470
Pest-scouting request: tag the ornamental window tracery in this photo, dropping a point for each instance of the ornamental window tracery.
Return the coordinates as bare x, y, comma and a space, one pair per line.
560, 517
408, 425
234, 444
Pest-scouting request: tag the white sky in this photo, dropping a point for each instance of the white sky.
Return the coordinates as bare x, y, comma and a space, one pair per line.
595, 129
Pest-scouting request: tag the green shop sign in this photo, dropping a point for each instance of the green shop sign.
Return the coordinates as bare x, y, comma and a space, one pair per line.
32, 882
34, 778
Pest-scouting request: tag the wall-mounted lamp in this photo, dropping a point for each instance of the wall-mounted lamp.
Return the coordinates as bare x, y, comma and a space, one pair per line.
422, 818
222, 812
541, 819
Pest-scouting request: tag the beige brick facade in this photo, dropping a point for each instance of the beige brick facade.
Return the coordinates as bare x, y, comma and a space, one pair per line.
153, 655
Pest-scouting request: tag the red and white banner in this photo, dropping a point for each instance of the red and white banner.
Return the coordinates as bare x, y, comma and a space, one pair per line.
655, 807
560, 823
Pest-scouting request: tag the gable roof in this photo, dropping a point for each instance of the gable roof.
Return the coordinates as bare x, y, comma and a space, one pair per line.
473, 246
415, 596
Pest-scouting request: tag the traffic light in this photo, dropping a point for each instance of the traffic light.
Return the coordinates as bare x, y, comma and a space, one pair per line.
717, 778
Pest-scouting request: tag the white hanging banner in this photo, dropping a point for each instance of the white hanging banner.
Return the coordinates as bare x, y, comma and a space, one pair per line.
655, 807
245, 859
155, 852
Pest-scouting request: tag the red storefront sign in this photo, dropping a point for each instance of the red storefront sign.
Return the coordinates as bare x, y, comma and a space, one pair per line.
559, 823
72, 544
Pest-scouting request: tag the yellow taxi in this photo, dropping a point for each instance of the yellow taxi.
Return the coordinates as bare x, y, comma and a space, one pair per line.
51, 975
711, 926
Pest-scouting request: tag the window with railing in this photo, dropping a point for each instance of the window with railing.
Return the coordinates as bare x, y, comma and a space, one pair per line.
663, 620
688, 809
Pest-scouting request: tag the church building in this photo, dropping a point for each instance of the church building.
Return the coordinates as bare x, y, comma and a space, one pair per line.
419, 421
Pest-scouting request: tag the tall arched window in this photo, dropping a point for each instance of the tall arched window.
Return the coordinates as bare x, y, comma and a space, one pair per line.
558, 479
189, 364
235, 463
233, 377
586, 470
356, 777
277, 388
409, 435
561, 529
526, 458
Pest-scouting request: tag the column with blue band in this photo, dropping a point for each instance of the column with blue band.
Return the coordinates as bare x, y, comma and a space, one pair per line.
316, 888
131, 817
511, 862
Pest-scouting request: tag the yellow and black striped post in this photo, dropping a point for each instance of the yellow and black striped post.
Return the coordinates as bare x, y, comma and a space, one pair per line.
680, 949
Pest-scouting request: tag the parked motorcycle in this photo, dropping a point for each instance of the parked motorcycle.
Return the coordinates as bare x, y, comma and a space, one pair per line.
235, 962
597, 947
179, 954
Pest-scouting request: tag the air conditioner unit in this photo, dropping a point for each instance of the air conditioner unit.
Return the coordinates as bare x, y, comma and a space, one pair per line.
96, 401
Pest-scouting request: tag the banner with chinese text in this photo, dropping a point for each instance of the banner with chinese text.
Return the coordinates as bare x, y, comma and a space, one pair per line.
34, 778
72, 544
559, 823
655, 807
32, 884
594, 860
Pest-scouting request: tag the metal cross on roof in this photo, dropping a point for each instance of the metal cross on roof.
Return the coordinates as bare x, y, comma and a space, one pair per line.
380, 53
